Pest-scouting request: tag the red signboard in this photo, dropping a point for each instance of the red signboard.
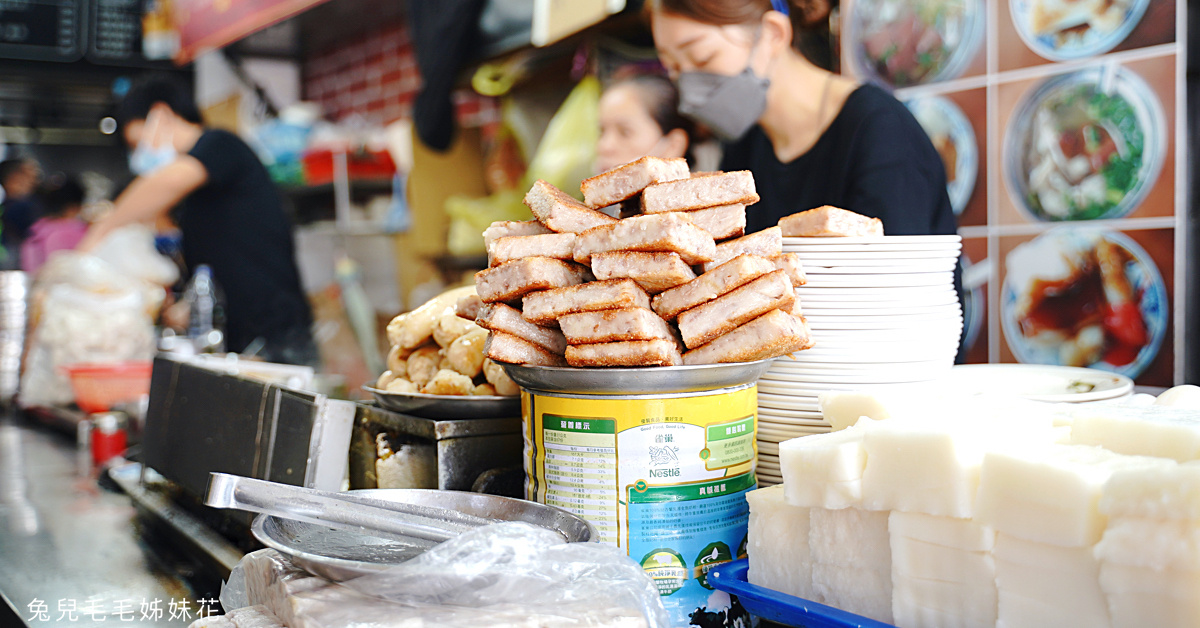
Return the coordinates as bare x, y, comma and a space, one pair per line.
209, 24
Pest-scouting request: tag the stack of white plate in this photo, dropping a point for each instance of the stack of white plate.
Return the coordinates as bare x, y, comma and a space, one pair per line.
883, 313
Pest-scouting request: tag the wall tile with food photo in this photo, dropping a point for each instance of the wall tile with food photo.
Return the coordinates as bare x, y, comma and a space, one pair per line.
1086, 296
1094, 143
977, 270
1037, 32
901, 43
957, 125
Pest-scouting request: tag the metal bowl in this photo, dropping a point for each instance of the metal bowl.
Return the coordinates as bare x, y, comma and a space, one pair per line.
637, 381
341, 555
448, 406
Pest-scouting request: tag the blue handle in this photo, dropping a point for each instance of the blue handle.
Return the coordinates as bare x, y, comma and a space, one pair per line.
780, 607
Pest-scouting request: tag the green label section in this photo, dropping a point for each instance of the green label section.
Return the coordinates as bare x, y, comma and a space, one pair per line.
641, 493
729, 444
586, 426
667, 569
710, 557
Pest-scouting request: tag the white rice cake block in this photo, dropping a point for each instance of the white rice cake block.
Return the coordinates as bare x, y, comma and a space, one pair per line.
922, 603
1185, 396
1168, 491
850, 537
1049, 494
865, 591
843, 408
778, 543
1159, 431
963, 534
1046, 586
927, 561
1155, 544
824, 470
914, 467
931, 464
1139, 596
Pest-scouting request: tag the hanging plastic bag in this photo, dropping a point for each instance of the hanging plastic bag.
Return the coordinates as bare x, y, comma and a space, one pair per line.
564, 158
94, 307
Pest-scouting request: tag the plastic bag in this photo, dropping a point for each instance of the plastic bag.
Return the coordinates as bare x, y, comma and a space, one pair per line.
97, 307
507, 574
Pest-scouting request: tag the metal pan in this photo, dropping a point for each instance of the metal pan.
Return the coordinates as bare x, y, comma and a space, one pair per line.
637, 381
341, 555
447, 406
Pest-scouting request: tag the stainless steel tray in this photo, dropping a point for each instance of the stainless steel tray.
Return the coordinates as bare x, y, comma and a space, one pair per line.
447, 406
658, 380
341, 555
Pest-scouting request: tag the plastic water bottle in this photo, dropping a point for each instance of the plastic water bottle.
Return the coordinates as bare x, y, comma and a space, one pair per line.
206, 318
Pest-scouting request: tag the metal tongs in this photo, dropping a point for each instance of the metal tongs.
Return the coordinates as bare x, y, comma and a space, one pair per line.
413, 524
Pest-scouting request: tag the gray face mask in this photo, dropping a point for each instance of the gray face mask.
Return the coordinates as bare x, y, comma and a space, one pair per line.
729, 105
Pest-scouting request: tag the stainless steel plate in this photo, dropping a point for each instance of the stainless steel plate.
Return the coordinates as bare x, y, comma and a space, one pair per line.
447, 406
659, 380
340, 555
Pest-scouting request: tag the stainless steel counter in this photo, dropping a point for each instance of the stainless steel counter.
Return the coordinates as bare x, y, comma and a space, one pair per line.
72, 549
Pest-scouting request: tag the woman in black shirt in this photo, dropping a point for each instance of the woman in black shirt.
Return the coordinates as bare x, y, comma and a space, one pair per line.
810, 137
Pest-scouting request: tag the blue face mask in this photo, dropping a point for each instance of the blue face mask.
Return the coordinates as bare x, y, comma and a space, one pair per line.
146, 159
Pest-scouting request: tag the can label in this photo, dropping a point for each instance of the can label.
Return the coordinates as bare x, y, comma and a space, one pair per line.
664, 478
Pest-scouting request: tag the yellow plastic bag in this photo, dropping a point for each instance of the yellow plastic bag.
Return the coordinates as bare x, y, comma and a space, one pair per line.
564, 158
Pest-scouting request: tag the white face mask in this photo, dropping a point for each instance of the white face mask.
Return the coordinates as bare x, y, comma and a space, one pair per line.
146, 157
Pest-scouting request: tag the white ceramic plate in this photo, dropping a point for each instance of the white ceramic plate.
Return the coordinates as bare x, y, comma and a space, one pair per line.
889, 293
881, 249
869, 254
877, 240
878, 323
819, 309
768, 447
1055, 384
875, 268
905, 280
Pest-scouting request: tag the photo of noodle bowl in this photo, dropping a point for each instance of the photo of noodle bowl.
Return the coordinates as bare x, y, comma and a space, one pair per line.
954, 139
1061, 30
1084, 297
1085, 145
912, 42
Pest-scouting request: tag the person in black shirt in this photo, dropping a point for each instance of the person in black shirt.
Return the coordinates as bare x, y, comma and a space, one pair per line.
231, 216
810, 137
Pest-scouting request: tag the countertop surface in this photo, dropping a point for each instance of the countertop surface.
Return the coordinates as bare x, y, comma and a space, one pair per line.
71, 553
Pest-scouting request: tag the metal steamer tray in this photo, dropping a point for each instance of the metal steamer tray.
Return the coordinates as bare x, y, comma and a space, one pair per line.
338, 554
637, 381
447, 406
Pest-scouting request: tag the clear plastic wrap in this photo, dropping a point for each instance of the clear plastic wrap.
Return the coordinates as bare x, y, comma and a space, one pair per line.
509, 574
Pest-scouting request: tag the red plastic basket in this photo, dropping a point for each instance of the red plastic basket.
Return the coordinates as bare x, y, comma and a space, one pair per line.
98, 387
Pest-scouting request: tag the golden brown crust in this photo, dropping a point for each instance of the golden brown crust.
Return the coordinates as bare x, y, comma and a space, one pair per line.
633, 353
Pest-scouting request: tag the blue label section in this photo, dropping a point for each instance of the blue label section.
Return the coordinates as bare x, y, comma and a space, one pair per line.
703, 533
